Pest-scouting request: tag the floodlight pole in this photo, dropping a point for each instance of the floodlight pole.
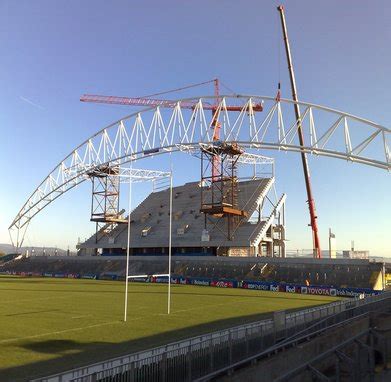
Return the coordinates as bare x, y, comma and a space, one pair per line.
128, 246
169, 249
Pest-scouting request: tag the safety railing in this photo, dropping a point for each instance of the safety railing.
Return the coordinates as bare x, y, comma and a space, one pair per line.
207, 354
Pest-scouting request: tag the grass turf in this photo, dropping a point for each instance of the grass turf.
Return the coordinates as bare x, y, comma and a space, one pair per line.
52, 325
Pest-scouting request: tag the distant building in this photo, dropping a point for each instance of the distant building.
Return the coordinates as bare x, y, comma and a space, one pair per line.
352, 254
332, 245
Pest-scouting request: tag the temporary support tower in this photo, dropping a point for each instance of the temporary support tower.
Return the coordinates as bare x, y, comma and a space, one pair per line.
219, 191
105, 199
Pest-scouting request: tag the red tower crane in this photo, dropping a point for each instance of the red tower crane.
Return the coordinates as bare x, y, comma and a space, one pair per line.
147, 101
221, 190
152, 102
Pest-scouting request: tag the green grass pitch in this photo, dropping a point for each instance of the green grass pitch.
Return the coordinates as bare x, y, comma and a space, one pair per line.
51, 325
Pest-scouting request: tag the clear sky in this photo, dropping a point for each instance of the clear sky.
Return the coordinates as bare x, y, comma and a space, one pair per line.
54, 51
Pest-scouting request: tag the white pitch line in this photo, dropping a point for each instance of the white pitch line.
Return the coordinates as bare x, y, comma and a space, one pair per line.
82, 316
114, 322
97, 325
32, 299
62, 331
208, 305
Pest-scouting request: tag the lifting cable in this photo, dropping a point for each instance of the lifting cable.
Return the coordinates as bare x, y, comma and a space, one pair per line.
229, 89
189, 87
179, 89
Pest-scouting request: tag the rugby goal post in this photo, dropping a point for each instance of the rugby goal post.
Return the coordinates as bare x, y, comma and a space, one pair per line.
139, 176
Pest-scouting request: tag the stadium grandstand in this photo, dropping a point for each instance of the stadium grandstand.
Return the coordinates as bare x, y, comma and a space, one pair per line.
200, 247
192, 233
340, 273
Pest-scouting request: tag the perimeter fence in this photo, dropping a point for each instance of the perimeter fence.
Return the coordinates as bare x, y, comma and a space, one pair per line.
191, 359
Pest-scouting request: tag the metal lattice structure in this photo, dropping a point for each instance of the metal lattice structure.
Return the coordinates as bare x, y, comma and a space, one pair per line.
219, 194
327, 132
105, 194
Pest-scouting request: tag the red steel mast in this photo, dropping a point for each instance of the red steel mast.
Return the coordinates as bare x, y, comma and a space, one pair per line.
311, 201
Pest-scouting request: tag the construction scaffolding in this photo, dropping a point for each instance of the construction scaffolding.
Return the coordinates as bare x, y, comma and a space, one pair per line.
105, 199
219, 191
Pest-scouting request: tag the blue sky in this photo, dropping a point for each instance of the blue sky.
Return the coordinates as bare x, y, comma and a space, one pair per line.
54, 51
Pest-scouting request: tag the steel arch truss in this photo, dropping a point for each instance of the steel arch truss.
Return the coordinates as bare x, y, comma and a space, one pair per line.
154, 131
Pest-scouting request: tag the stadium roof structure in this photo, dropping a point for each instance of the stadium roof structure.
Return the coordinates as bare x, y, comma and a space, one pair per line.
150, 223
154, 131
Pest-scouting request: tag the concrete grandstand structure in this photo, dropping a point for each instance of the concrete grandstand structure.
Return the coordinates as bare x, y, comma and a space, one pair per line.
355, 273
194, 234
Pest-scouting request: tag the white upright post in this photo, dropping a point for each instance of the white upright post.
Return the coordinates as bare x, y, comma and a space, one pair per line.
128, 245
17, 241
169, 250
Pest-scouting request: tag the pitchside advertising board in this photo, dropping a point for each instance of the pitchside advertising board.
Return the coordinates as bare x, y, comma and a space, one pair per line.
179, 280
225, 283
202, 282
325, 291
314, 290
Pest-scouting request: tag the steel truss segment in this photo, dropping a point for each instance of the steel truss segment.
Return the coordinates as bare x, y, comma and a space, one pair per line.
154, 131
245, 158
141, 175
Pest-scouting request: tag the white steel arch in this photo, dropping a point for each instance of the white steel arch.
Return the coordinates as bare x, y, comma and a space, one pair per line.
154, 131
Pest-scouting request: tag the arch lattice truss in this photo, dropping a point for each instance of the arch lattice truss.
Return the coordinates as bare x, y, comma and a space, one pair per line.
154, 131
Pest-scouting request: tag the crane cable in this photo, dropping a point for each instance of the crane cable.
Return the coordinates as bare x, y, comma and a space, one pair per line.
188, 87
228, 88
178, 89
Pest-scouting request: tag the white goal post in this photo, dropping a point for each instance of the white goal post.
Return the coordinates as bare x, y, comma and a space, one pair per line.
133, 175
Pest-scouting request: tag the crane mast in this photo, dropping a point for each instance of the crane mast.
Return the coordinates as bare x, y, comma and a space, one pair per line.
307, 177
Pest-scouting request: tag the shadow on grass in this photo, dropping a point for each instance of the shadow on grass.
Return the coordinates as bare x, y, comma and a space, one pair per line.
33, 312
70, 354
60, 347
